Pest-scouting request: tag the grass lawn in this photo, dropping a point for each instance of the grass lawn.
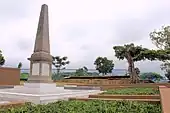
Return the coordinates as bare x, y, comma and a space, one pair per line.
133, 91
95, 106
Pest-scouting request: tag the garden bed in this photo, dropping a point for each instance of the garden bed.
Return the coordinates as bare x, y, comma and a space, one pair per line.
133, 91
93, 106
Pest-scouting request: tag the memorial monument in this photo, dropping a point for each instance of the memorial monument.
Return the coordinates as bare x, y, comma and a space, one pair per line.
40, 88
41, 60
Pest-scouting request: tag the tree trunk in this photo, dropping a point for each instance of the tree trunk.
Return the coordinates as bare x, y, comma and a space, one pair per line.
131, 69
58, 71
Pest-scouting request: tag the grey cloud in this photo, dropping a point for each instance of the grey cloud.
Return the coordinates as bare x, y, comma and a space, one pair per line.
24, 44
85, 47
130, 30
104, 32
77, 31
13, 62
149, 66
14, 9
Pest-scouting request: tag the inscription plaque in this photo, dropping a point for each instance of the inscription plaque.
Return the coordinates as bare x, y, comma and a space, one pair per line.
45, 69
35, 68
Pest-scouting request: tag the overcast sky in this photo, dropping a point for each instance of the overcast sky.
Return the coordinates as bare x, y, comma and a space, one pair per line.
81, 29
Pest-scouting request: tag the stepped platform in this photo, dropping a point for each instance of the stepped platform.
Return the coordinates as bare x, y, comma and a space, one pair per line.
42, 93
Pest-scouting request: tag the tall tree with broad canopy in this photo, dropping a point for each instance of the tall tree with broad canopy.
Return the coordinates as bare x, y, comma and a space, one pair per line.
133, 53
2, 60
103, 65
60, 62
161, 38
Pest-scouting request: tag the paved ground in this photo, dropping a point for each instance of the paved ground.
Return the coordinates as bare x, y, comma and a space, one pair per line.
43, 94
46, 90
4, 102
165, 99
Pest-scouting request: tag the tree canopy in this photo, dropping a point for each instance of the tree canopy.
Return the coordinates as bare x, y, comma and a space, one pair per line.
81, 71
161, 38
2, 60
103, 65
151, 76
19, 65
133, 53
139, 53
60, 62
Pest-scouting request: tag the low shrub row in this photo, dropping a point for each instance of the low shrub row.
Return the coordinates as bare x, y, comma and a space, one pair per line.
95, 106
133, 91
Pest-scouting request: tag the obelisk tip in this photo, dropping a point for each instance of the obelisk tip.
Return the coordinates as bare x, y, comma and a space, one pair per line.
44, 5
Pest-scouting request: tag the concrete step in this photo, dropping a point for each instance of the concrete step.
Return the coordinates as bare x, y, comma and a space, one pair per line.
75, 87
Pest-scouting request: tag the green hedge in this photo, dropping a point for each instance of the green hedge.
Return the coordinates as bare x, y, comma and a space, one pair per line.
24, 76
133, 91
95, 106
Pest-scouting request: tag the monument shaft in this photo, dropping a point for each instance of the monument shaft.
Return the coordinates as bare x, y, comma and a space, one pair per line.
41, 60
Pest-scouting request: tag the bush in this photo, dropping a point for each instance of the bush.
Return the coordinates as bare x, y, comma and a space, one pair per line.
133, 91
57, 76
95, 106
24, 76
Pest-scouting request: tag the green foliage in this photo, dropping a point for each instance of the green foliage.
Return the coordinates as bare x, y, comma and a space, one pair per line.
167, 74
60, 62
151, 76
19, 65
103, 65
2, 60
137, 70
57, 76
161, 37
24, 76
121, 51
138, 53
95, 106
81, 71
133, 91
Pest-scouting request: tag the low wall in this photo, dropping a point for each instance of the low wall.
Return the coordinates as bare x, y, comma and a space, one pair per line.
9, 76
106, 80
125, 96
12, 105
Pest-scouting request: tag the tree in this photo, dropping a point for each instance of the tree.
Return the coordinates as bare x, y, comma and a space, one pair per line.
81, 71
133, 53
151, 76
137, 71
167, 74
19, 65
60, 62
161, 38
103, 65
2, 60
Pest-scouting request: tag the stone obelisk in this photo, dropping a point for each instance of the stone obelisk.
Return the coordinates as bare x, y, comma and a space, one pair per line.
41, 60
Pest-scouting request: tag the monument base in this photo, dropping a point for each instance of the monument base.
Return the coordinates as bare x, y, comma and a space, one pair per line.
41, 93
39, 79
